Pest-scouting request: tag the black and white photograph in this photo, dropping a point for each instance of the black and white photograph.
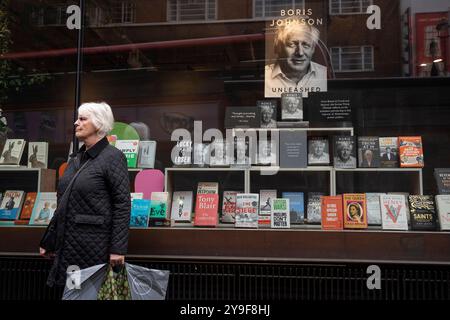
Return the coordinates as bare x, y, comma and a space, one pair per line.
267, 154
37, 154
217, 154
318, 151
344, 152
268, 110
291, 106
290, 51
147, 151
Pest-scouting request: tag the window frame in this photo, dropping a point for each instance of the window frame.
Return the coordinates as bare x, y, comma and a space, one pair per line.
264, 9
177, 18
338, 69
340, 13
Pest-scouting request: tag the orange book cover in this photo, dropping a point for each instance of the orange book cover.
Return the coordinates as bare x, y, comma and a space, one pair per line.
331, 212
206, 210
355, 214
28, 205
411, 152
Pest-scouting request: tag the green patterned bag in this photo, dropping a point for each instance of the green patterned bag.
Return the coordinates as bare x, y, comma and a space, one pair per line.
115, 286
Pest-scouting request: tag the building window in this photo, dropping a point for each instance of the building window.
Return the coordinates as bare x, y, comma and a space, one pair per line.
349, 6
272, 8
191, 10
50, 15
123, 12
352, 59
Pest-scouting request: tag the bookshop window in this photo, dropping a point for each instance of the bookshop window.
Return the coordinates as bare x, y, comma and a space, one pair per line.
349, 6
352, 59
273, 8
192, 10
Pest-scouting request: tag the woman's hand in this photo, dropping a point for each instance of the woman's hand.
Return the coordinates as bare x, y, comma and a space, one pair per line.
45, 254
116, 260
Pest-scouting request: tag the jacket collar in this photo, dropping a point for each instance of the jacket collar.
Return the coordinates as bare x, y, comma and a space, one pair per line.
95, 150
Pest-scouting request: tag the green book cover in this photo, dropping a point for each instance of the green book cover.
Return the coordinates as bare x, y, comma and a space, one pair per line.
130, 150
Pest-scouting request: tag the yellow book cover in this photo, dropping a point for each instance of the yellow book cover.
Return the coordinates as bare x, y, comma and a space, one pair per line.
355, 214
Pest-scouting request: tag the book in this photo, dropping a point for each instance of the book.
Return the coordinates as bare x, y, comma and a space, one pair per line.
318, 151
291, 106
280, 216
182, 206
11, 204
373, 208
293, 149
242, 117
229, 207
146, 154
406, 196
393, 212
443, 208
217, 154
182, 153
27, 208
265, 207
12, 152
411, 152
313, 208
37, 154
247, 210
331, 207
206, 210
344, 152
207, 187
442, 177
159, 209
296, 206
388, 152
422, 212
130, 149
267, 153
268, 112
140, 211
136, 195
368, 152
200, 155
354, 207
44, 208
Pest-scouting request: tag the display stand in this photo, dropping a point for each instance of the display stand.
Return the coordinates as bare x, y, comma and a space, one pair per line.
27, 179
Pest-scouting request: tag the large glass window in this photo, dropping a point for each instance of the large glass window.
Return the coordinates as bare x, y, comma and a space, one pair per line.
349, 6
273, 8
352, 59
191, 10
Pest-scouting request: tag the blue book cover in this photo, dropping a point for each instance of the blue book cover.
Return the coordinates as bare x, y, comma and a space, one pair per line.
11, 204
140, 209
296, 206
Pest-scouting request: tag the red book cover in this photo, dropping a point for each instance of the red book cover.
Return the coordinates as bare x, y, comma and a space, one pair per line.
27, 208
332, 213
354, 211
411, 152
206, 210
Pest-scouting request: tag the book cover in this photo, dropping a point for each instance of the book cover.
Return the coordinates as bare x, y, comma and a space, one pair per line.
373, 208
217, 154
355, 215
229, 207
411, 152
422, 212
11, 204
37, 154
268, 112
146, 157
393, 212
267, 153
296, 206
318, 151
158, 205
247, 210
344, 152
406, 196
368, 152
242, 117
442, 176
332, 213
44, 208
291, 106
130, 149
280, 216
313, 208
182, 206
443, 207
182, 153
12, 151
293, 149
140, 211
207, 187
136, 195
27, 208
265, 201
388, 152
206, 210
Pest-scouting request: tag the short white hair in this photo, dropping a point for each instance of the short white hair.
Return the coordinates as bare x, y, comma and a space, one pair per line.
101, 116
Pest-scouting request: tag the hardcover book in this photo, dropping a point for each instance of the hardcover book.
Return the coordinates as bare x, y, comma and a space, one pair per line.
268, 111
369, 152
130, 149
11, 204
146, 157
406, 196
44, 208
442, 176
344, 152
411, 152
242, 117
247, 210
373, 208
159, 206
206, 210
318, 151
207, 187
12, 152
280, 214
293, 149
296, 206
393, 212
332, 215
388, 152
182, 153
217, 154
37, 154
355, 215
291, 106
443, 207
313, 208
265, 201
422, 212
267, 153
229, 206
27, 208
140, 211
182, 206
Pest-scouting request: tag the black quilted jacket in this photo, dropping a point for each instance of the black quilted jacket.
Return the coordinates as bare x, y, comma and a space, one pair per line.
94, 221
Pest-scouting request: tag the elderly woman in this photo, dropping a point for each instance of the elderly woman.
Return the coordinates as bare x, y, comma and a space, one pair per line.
90, 225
